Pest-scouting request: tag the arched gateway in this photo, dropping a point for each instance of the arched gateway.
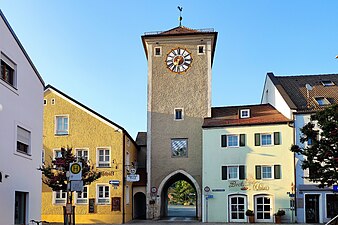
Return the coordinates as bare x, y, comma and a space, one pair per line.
171, 179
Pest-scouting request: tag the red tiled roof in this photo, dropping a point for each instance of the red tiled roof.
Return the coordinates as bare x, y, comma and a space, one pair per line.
229, 116
179, 30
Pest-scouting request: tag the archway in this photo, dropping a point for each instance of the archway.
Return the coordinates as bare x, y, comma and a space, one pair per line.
139, 206
193, 210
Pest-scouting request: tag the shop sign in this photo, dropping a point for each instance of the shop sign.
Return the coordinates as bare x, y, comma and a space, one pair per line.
249, 184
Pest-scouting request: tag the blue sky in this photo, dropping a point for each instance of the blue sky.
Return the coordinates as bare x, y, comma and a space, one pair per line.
92, 49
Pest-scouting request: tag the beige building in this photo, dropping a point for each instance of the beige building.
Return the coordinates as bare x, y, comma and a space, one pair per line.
179, 97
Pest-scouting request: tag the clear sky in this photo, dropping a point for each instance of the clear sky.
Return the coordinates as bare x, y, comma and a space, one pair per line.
92, 49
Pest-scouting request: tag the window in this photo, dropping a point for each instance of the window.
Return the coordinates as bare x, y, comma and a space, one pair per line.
267, 139
52, 101
82, 153
327, 83
200, 49
331, 205
45, 101
244, 113
322, 101
103, 194
103, 157
233, 172
268, 172
178, 114
57, 153
179, 147
127, 195
23, 140
60, 197
43, 156
158, 51
7, 70
234, 140
61, 125
82, 197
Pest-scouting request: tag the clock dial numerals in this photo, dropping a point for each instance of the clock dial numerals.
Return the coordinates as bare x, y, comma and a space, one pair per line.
178, 60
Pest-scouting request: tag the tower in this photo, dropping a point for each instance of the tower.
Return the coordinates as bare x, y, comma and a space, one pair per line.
179, 98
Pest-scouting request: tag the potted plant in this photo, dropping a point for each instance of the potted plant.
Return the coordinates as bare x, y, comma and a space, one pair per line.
278, 216
250, 214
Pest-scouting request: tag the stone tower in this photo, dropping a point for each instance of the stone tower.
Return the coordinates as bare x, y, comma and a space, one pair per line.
179, 98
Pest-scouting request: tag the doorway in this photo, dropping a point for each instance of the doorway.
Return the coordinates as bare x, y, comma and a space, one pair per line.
139, 206
312, 208
263, 208
237, 208
20, 210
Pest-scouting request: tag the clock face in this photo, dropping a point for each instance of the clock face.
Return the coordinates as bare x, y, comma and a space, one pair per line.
178, 60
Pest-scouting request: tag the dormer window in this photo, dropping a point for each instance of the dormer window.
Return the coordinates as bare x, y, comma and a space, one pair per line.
327, 83
322, 101
244, 113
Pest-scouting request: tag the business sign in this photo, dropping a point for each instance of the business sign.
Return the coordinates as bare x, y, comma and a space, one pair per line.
335, 188
75, 170
133, 177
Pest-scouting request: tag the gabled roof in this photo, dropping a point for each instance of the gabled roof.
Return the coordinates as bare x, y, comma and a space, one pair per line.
293, 90
21, 47
89, 110
263, 114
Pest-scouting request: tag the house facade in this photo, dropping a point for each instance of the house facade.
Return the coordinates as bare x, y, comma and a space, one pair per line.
247, 164
105, 144
21, 111
179, 97
298, 97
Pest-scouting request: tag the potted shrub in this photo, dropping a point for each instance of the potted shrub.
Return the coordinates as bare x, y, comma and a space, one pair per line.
250, 214
278, 216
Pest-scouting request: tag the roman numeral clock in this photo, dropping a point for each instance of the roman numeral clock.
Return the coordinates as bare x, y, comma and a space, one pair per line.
178, 60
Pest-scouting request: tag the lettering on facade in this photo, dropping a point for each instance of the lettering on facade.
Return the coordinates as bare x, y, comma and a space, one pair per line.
107, 173
249, 184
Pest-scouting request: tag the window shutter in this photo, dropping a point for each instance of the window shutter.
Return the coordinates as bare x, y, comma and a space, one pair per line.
241, 172
224, 141
242, 140
276, 138
258, 172
277, 171
257, 139
224, 172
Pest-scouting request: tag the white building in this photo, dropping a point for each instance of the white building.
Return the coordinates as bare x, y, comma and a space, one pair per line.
298, 97
21, 111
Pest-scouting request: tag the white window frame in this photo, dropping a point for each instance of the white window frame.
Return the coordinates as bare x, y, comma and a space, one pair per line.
83, 200
325, 101
43, 156
11, 64
264, 134
77, 150
61, 200
55, 152
45, 101
157, 47
24, 140
228, 140
127, 195
182, 114
242, 111
105, 198
237, 171
328, 83
198, 50
104, 161
272, 172
63, 131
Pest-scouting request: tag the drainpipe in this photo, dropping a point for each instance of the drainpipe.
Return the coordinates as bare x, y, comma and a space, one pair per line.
294, 170
123, 176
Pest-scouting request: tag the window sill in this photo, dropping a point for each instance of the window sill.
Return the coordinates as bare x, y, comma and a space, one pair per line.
61, 134
103, 167
23, 154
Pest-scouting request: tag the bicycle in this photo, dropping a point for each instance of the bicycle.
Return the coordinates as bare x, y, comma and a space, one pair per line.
38, 222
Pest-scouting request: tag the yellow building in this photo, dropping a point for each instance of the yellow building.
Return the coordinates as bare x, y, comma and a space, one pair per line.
105, 144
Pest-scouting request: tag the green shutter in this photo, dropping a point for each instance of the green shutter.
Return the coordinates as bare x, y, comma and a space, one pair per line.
242, 140
258, 172
224, 172
223, 140
257, 139
277, 171
241, 172
276, 138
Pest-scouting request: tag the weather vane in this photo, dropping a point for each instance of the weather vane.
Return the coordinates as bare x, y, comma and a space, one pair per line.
180, 18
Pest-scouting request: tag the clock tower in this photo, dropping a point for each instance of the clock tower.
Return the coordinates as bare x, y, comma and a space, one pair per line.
179, 98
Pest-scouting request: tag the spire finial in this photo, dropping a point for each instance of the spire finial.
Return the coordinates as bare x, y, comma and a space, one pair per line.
180, 18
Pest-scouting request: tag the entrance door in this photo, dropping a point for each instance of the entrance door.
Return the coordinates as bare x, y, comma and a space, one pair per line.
263, 208
237, 208
20, 208
312, 208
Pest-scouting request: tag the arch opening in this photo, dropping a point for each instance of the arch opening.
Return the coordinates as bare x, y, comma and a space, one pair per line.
139, 206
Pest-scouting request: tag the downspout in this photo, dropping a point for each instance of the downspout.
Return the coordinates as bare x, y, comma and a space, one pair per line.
123, 177
294, 170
